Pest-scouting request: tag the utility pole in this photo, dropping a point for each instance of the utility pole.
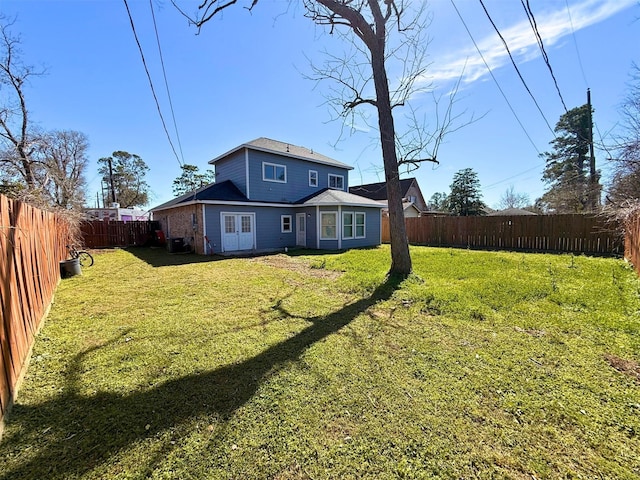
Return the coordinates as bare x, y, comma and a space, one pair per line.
113, 190
594, 190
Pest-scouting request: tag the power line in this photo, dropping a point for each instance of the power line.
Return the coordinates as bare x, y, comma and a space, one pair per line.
516, 66
153, 91
575, 43
166, 83
545, 57
494, 78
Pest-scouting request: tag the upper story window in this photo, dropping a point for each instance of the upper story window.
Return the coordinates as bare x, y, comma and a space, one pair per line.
272, 172
336, 181
313, 178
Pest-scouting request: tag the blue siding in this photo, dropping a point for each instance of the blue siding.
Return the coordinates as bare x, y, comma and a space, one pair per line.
267, 225
373, 220
297, 185
234, 169
268, 228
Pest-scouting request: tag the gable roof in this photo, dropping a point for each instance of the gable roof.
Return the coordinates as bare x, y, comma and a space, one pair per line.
214, 191
331, 197
378, 191
268, 145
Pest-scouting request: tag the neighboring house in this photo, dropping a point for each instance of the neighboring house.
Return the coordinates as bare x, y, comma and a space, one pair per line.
114, 212
412, 200
269, 196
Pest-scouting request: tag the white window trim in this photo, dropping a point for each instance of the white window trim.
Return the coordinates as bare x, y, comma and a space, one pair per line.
336, 176
282, 228
264, 178
364, 225
337, 225
353, 226
310, 183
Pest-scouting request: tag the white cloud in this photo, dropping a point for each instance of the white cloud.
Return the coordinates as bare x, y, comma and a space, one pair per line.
553, 25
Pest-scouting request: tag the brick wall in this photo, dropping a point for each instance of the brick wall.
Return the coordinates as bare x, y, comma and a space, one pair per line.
179, 223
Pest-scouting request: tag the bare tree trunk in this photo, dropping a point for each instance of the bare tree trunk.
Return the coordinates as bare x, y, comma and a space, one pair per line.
400, 257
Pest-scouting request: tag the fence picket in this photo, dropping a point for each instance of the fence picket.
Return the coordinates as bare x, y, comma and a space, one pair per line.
104, 234
32, 243
541, 233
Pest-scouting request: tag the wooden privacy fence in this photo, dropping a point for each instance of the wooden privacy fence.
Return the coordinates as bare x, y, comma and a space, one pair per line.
632, 240
32, 244
100, 234
536, 233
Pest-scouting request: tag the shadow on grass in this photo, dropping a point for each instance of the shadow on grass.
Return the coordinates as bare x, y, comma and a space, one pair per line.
85, 431
159, 257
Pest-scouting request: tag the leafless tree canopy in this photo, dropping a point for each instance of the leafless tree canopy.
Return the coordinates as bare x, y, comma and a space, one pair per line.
625, 185
43, 168
512, 199
62, 157
17, 140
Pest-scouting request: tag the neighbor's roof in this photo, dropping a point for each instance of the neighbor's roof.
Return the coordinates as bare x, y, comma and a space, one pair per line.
378, 191
510, 212
330, 197
214, 191
268, 145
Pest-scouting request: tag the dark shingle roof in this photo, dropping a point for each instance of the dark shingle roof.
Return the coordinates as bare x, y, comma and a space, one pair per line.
286, 149
215, 191
378, 191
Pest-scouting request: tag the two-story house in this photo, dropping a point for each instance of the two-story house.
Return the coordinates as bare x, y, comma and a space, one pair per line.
268, 196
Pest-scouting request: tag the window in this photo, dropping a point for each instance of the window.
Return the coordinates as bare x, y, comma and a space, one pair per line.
313, 178
272, 172
347, 225
246, 223
336, 181
285, 224
328, 226
229, 224
360, 227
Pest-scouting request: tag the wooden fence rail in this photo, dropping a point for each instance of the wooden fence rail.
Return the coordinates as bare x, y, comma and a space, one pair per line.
540, 233
32, 244
101, 234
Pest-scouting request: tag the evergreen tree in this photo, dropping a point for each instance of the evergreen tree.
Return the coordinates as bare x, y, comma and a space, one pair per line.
572, 189
191, 179
126, 175
465, 197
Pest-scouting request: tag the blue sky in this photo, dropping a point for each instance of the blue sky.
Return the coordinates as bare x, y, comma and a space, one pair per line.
243, 77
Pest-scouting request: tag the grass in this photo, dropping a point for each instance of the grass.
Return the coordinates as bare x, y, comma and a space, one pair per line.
480, 365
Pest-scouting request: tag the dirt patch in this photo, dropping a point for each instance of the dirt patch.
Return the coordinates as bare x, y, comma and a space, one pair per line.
299, 265
628, 367
531, 331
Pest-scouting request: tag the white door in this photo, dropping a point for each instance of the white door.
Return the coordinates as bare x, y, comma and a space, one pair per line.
301, 229
237, 231
245, 233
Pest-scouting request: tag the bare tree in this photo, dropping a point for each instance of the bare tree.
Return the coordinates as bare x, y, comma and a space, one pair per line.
512, 199
380, 33
63, 161
625, 184
17, 141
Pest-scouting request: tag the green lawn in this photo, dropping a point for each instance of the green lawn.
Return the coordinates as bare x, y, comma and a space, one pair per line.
311, 366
